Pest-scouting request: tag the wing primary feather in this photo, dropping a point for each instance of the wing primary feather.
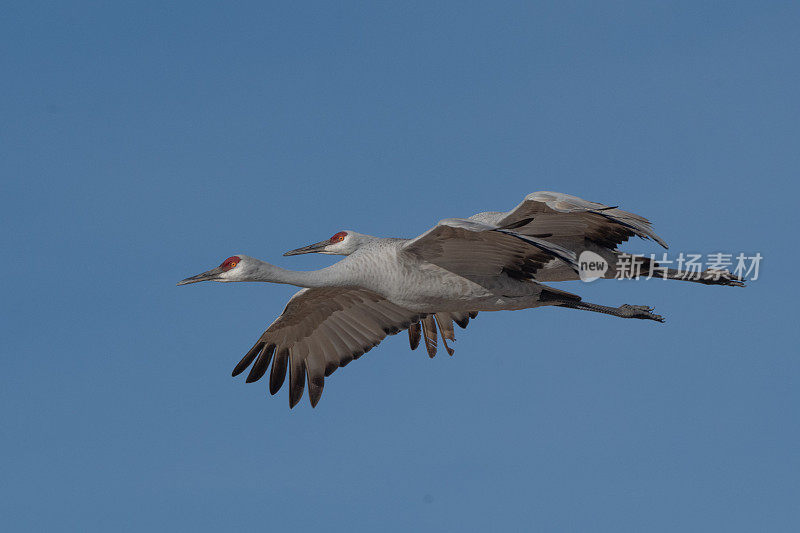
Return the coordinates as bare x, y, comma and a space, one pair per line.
445, 321
645, 233
261, 364
429, 334
414, 335
450, 351
315, 385
278, 374
297, 378
247, 359
463, 320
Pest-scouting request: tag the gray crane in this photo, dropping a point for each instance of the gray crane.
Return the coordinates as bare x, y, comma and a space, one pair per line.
492, 261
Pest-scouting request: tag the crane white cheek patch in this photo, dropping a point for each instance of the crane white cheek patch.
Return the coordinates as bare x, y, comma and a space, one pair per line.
591, 266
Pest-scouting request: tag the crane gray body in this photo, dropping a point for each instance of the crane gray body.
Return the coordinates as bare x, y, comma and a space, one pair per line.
380, 265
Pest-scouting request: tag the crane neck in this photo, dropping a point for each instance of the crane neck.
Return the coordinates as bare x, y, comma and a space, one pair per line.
326, 277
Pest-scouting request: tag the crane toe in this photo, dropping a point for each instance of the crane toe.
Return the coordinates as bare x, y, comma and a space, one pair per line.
643, 312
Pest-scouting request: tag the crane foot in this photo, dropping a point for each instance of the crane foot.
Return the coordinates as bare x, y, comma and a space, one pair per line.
639, 311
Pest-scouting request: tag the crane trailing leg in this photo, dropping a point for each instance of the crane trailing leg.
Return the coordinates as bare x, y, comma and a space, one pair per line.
623, 311
564, 299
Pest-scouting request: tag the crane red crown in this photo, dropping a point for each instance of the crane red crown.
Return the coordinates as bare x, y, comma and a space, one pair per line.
230, 262
339, 237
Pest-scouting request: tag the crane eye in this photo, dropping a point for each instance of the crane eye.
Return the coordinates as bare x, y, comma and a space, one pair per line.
229, 263
339, 237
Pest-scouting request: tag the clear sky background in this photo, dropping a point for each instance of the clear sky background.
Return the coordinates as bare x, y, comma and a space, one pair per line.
143, 142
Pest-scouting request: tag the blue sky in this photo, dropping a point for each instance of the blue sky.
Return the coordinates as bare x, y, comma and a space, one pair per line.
144, 142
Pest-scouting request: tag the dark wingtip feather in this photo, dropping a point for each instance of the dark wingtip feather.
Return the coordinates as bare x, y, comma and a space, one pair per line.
261, 365
331, 367
315, 386
297, 380
414, 335
247, 359
278, 373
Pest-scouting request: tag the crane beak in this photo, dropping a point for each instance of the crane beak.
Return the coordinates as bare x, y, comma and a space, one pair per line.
210, 275
310, 249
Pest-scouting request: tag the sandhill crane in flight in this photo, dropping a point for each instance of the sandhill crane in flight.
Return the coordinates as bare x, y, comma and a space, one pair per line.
491, 261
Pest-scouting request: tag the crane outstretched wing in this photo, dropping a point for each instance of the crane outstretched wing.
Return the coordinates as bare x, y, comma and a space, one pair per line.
323, 329
470, 248
319, 331
556, 217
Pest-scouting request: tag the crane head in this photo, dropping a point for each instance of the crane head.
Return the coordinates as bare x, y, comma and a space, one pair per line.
232, 269
342, 243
